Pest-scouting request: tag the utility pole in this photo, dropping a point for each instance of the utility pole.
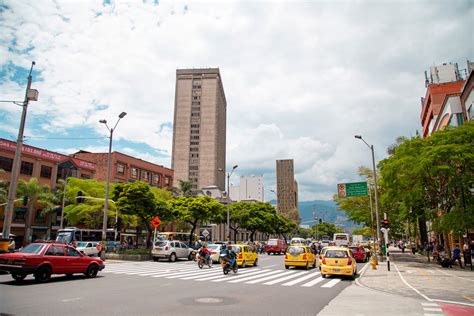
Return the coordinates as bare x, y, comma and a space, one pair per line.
30, 94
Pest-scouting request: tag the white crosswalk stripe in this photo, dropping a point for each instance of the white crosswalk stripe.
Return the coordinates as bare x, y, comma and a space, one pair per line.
190, 271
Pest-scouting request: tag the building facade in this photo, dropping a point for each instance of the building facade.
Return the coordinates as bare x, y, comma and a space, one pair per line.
125, 168
48, 167
199, 129
250, 189
287, 189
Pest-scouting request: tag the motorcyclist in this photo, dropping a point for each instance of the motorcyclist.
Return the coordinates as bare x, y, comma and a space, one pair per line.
230, 255
205, 253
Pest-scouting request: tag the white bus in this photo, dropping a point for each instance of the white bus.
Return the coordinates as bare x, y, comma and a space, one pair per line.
342, 239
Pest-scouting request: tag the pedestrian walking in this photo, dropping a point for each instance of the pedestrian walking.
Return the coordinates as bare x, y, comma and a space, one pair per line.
457, 255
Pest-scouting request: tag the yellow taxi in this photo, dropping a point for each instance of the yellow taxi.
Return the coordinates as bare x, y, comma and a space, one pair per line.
321, 255
300, 256
245, 255
338, 261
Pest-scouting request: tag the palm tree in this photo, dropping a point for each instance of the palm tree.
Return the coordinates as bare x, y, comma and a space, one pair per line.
33, 194
185, 189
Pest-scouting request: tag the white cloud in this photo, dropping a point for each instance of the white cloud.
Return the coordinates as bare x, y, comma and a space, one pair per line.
301, 78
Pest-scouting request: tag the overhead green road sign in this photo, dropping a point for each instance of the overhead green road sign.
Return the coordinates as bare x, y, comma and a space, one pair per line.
352, 189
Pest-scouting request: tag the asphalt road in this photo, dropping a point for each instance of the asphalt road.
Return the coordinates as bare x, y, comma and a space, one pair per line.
151, 288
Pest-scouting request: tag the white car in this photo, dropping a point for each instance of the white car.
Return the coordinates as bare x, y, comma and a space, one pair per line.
171, 250
89, 248
215, 250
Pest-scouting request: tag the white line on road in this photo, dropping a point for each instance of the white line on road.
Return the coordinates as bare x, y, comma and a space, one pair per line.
454, 275
332, 283
221, 276
453, 302
429, 304
270, 277
286, 278
273, 265
247, 278
411, 287
238, 277
311, 283
71, 299
427, 309
190, 273
301, 279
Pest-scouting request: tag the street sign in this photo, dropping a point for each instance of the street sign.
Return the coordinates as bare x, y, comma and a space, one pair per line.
156, 222
205, 233
352, 189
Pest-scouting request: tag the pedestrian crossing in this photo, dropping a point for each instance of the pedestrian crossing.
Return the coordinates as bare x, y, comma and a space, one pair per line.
254, 275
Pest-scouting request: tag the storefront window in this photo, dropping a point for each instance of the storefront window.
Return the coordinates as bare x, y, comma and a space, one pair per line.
19, 215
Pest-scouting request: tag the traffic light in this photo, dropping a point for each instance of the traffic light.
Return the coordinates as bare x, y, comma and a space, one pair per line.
320, 221
79, 197
385, 223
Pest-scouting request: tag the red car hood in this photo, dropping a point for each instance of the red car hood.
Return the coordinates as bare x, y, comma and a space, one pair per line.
18, 255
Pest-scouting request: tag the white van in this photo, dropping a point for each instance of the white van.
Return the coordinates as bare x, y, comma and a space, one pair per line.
297, 240
342, 239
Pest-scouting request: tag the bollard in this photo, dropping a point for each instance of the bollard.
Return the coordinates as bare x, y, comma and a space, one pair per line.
374, 263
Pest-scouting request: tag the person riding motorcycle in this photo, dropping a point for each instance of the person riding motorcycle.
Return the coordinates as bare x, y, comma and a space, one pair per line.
230, 255
204, 253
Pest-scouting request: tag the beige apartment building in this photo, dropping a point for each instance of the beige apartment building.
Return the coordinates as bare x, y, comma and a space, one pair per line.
287, 189
199, 129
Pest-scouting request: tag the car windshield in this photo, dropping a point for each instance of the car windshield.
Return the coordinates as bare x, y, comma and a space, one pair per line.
160, 243
341, 237
296, 250
81, 244
272, 242
336, 254
64, 237
32, 248
213, 247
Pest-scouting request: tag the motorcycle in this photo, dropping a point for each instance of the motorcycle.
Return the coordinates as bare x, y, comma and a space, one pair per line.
226, 266
201, 260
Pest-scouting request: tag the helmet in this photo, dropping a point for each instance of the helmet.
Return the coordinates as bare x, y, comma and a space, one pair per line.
229, 247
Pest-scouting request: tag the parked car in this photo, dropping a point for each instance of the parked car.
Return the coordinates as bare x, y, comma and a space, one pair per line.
171, 250
89, 248
276, 246
359, 253
44, 259
339, 261
245, 255
300, 256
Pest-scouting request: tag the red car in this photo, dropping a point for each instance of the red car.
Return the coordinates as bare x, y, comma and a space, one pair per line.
44, 259
276, 246
359, 253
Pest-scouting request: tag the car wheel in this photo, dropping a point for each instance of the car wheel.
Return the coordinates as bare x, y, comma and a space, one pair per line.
190, 257
155, 259
323, 276
255, 263
287, 267
43, 274
244, 264
18, 276
307, 266
92, 271
173, 257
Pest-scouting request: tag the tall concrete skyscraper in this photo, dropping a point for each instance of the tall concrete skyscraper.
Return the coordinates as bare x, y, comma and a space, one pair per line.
287, 189
199, 129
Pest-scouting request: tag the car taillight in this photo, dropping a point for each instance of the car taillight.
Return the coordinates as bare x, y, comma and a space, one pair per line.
304, 257
324, 261
167, 248
240, 255
286, 256
349, 261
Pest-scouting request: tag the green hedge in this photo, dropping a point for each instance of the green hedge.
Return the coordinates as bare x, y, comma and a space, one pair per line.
137, 251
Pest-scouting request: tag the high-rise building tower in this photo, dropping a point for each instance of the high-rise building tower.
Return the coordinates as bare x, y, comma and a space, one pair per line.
250, 189
199, 129
287, 189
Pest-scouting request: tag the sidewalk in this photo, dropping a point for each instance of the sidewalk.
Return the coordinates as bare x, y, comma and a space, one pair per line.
411, 287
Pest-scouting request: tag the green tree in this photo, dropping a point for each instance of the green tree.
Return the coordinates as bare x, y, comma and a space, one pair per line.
185, 188
257, 216
34, 195
326, 229
282, 226
197, 210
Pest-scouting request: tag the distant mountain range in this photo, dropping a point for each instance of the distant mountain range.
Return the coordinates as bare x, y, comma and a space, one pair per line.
326, 210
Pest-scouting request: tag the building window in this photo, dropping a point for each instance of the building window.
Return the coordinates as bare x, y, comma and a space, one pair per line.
194, 143
194, 155
156, 178
460, 119
193, 167
194, 131
194, 149
195, 137
26, 168
134, 173
19, 215
46, 172
40, 218
196, 103
195, 114
120, 169
85, 176
197, 98
195, 125
167, 180
145, 176
6, 164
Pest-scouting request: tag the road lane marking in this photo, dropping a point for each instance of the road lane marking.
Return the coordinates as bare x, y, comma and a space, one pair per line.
429, 304
253, 277
71, 299
223, 276
238, 277
310, 275
455, 275
190, 273
432, 309
331, 283
270, 277
273, 265
454, 302
311, 283
411, 287
286, 278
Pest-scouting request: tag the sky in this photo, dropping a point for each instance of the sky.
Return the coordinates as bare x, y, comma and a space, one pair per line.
300, 78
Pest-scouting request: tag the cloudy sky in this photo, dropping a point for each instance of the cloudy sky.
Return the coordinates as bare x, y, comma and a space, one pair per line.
301, 78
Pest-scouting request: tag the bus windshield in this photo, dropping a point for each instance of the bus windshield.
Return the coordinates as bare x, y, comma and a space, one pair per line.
64, 236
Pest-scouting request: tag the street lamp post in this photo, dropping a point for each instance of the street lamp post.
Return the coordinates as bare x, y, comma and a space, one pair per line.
107, 179
229, 174
30, 95
379, 241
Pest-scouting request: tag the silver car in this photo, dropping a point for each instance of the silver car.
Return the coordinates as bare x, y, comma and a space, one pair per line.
171, 250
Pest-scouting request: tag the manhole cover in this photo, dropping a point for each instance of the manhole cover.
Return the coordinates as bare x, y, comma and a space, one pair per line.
209, 300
